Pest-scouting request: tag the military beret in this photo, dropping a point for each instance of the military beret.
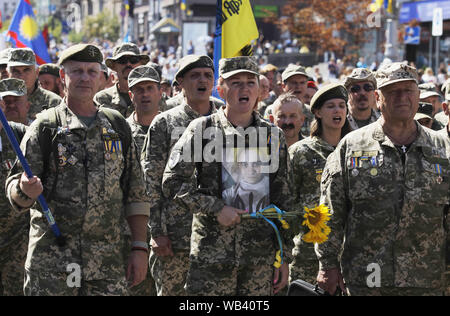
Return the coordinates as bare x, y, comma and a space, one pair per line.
428, 90
395, 72
360, 75
51, 69
328, 92
13, 87
4, 56
81, 52
21, 57
141, 74
293, 70
231, 66
193, 61
125, 49
425, 111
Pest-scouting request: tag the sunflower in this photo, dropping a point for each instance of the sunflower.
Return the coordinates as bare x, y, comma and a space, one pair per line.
316, 219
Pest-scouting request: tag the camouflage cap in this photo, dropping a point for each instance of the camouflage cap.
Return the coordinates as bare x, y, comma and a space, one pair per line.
446, 89
425, 111
141, 74
360, 75
328, 92
4, 56
13, 87
125, 49
51, 69
231, 66
83, 53
395, 72
21, 57
428, 90
292, 70
190, 62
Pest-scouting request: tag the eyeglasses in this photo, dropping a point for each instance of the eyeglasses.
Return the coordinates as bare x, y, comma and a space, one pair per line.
367, 87
125, 59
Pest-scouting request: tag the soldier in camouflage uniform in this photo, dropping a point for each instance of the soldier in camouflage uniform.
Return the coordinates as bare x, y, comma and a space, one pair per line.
14, 227
15, 100
295, 80
230, 256
145, 94
361, 85
4, 56
429, 94
387, 187
169, 258
308, 158
22, 65
125, 58
49, 79
92, 182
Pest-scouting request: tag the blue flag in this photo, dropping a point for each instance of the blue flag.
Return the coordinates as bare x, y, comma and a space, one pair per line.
24, 32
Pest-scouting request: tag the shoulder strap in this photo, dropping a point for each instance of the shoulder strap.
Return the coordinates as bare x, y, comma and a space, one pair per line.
121, 126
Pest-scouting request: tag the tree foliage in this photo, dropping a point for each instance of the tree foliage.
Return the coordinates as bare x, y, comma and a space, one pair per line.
327, 25
104, 26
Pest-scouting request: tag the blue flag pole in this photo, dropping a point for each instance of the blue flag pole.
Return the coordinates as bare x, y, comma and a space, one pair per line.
48, 214
217, 46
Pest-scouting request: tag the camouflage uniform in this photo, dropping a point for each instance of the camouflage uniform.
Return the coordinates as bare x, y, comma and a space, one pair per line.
179, 99
166, 128
114, 99
14, 227
88, 203
225, 260
441, 118
387, 213
308, 159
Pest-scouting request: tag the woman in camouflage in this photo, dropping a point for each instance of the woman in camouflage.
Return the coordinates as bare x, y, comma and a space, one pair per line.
308, 158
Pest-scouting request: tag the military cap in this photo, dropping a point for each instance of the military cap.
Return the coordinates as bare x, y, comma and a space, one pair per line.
13, 87
231, 66
395, 72
428, 90
425, 111
141, 74
51, 69
360, 75
83, 53
21, 57
328, 92
155, 66
193, 61
125, 49
446, 89
293, 70
4, 56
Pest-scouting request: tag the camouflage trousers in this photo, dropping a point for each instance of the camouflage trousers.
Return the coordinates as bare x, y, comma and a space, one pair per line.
305, 265
12, 269
169, 273
393, 291
229, 280
146, 287
55, 284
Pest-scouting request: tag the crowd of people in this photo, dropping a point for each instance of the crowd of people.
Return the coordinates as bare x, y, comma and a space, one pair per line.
158, 187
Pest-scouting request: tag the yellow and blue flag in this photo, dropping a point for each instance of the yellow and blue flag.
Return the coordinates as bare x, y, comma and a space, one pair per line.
378, 4
24, 32
183, 5
235, 30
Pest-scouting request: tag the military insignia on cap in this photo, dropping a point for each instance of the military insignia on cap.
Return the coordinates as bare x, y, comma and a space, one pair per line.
92, 51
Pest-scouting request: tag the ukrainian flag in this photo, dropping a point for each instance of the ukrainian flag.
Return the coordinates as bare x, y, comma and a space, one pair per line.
24, 32
183, 5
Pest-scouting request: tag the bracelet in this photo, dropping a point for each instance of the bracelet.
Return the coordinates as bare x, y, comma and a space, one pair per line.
22, 194
139, 249
139, 244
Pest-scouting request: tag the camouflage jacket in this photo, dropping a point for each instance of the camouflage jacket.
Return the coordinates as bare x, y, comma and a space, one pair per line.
95, 189
164, 132
41, 99
351, 120
112, 98
13, 226
197, 187
180, 99
387, 212
309, 118
441, 118
138, 132
308, 158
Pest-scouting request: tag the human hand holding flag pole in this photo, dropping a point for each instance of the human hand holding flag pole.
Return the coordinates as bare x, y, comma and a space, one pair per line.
60, 240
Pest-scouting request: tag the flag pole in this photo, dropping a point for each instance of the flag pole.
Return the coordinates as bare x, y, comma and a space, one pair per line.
217, 46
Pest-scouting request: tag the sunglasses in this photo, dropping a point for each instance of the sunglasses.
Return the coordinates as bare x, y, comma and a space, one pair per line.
367, 87
131, 59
